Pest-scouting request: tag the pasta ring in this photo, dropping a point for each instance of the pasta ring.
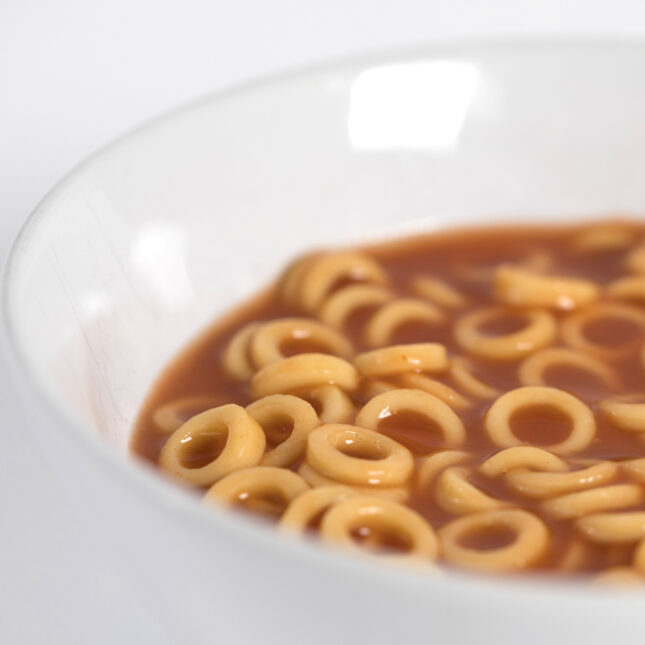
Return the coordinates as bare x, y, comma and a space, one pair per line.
302, 416
312, 503
603, 498
533, 368
257, 481
392, 468
623, 527
266, 342
521, 288
624, 414
538, 260
548, 484
316, 480
522, 457
303, 371
635, 261
397, 359
603, 238
342, 303
620, 577
455, 494
575, 557
169, 417
572, 328
371, 388
635, 468
335, 405
245, 443
498, 427
628, 288
638, 559
400, 400
339, 522
445, 393
388, 318
538, 333
236, 360
320, 276
530, 544
462, 375
438, 291
289, 286
434, 464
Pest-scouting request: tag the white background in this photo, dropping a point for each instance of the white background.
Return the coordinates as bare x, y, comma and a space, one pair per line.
73, 74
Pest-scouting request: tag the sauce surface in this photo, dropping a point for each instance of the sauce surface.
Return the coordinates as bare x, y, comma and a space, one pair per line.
466, 262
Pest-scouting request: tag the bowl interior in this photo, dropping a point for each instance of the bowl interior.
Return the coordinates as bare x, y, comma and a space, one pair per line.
145, 243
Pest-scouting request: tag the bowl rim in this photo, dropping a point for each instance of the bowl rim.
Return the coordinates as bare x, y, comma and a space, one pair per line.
145, 480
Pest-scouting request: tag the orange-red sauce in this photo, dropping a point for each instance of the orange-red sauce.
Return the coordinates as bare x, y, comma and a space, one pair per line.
463, 259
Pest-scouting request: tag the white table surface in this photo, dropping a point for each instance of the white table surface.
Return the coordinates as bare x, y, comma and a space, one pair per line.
73, 74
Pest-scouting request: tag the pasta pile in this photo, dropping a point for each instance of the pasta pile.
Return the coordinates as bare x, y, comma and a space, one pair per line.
415, 450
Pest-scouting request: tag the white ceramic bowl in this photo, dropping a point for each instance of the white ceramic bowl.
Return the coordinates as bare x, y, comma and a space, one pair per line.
143, 244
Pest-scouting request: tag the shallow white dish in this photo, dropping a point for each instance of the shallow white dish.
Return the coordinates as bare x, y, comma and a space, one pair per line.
143, 244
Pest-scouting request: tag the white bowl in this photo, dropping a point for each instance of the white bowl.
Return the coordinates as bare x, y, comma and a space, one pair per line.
143, 244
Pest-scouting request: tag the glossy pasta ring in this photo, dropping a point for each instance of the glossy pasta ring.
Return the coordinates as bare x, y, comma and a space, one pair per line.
311, 504
373, 387
338, 307
498, 418
236, 360
388, 318
398, 359
290, 283
457, 495
168, 417
615, 528
432, 465
317, 480
635, 260
522, 457
596, 500
344, 518
245, 444
547, 484
626, 412
403, 400
445, 393
539, 332
461, 373
266, 344
304, 371
393, 467
575, 556
258, 481
302, 417
635, 468
530, 543
319, 276
628, 288
533, 369
521, 288
438, 291
572, 328
334, 406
